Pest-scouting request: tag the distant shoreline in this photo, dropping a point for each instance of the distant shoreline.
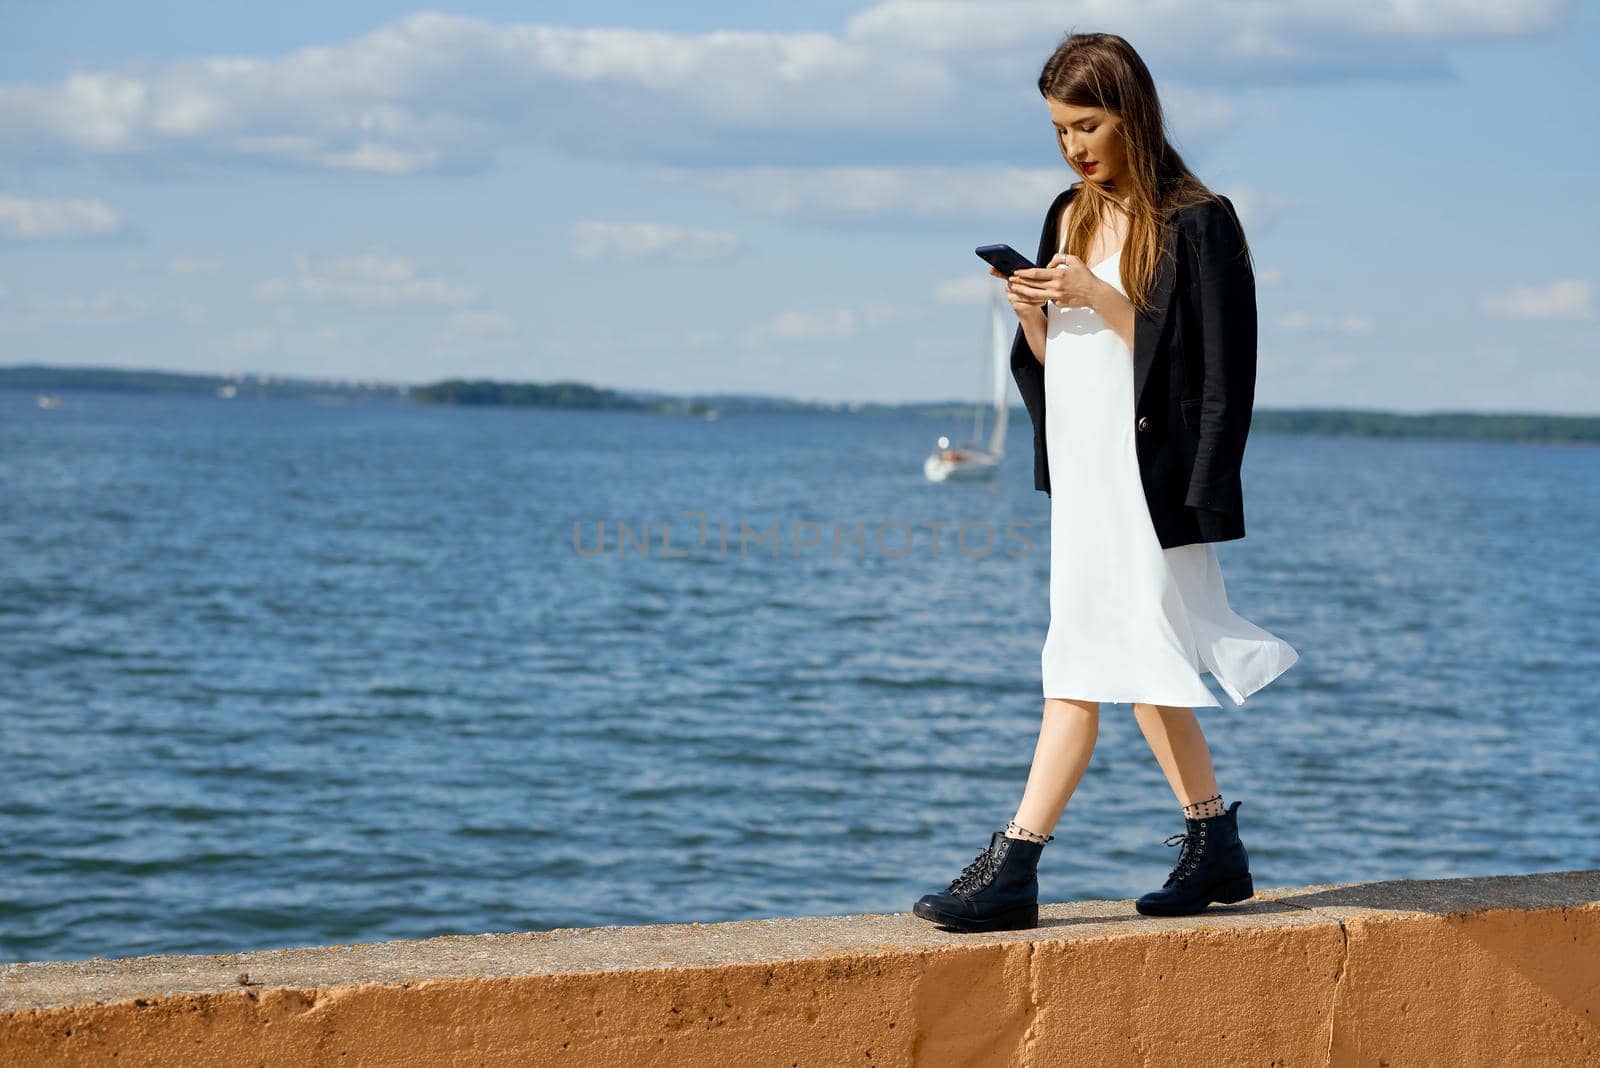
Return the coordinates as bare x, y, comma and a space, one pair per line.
1342, 422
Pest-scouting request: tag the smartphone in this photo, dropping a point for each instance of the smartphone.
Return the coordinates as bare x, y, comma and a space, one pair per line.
1003, 258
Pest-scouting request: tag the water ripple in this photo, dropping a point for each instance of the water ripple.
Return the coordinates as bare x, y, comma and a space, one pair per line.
287, 674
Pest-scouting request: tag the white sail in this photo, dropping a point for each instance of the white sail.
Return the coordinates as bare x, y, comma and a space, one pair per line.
971, 460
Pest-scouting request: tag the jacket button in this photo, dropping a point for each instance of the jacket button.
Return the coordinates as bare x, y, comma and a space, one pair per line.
1144, 422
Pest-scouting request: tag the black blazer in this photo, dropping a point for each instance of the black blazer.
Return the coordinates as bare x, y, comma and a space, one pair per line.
1194, 376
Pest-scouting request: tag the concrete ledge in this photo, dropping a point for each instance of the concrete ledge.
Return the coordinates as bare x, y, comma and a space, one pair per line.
1499, 970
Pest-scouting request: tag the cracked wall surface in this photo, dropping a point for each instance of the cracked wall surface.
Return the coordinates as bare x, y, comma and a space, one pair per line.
1450, 971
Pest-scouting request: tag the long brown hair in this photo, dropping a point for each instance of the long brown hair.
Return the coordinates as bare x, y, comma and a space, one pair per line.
1101, 70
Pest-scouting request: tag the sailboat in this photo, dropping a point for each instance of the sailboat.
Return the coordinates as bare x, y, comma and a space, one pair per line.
970, 461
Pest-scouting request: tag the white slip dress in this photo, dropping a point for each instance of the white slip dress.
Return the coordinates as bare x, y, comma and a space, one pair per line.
1129, 621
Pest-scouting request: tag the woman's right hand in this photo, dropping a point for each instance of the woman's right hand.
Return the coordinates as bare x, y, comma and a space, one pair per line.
1024, 307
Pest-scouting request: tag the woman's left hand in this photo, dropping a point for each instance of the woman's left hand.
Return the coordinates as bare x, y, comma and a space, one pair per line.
1065, 280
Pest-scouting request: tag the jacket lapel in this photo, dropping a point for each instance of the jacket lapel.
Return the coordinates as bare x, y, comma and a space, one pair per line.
1148, 327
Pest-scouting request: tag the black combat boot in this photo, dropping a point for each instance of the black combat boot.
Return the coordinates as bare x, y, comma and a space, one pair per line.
1212, 866
998, 891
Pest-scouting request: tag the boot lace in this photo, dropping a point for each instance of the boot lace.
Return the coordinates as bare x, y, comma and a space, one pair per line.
975, 874
1193, 843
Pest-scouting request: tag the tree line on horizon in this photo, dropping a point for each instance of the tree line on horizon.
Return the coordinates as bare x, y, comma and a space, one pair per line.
1342, 422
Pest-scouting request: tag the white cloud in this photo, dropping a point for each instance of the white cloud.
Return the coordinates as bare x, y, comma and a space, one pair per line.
623, 241
381, 159
1308, 38
366, 280
434, 91
834, 325
1349, 323
56, 311
932, 191
1568, 298
1257, 210
474, 331
32, 220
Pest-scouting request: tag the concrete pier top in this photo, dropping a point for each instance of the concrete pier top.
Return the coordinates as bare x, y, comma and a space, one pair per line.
1446, 970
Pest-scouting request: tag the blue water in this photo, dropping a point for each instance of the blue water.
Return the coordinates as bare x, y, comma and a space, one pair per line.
278, 673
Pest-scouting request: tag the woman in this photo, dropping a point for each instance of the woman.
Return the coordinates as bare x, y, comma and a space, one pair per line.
1135, 354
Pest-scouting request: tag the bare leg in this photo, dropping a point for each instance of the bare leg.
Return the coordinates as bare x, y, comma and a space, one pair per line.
1066, 741
1179, 744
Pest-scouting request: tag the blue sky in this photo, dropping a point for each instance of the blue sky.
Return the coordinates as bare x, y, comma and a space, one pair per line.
777, 198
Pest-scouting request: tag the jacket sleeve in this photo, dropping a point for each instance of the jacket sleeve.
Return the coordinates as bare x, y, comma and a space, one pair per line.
1025, 366
1226, 290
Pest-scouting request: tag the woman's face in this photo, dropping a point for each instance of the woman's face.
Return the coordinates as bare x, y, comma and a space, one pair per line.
1089, 139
